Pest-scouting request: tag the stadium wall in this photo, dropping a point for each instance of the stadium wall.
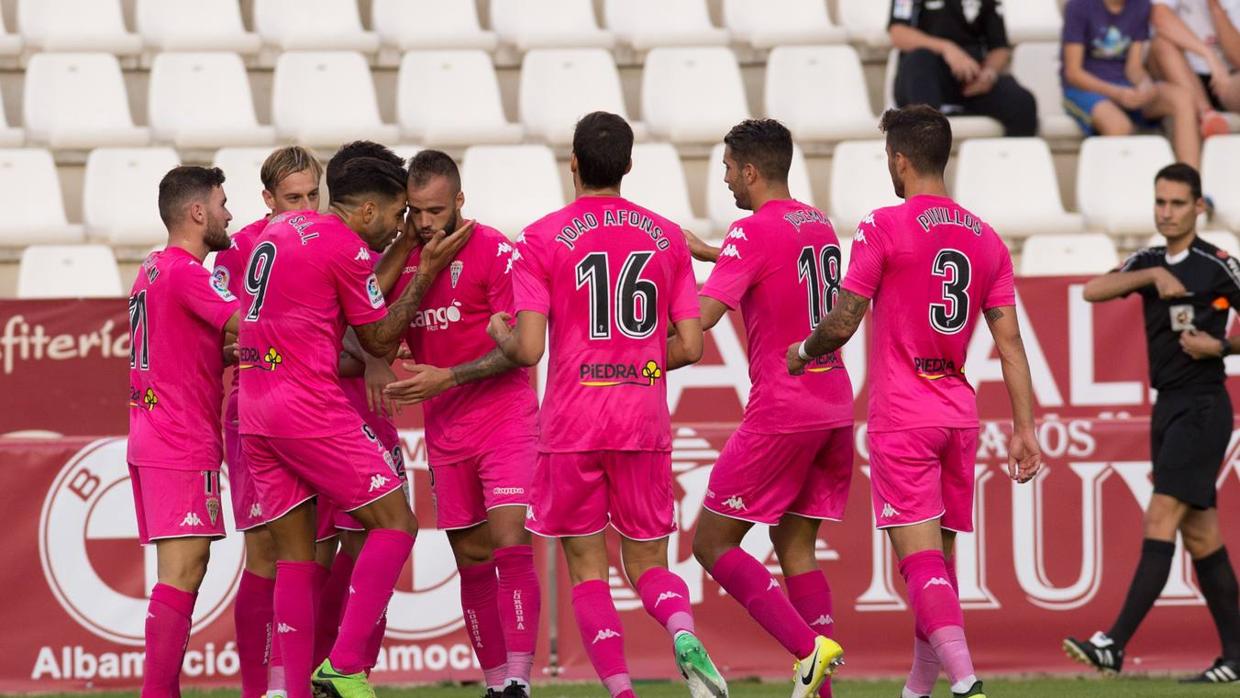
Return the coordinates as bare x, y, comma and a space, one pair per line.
1050, 559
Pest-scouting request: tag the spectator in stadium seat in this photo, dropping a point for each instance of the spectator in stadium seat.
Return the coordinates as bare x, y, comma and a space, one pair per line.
953, 56
1197, 46
1106, 87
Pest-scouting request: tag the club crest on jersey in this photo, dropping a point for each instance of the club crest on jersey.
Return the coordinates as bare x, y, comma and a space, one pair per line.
219, 284
372, 290
611, 375
457, 267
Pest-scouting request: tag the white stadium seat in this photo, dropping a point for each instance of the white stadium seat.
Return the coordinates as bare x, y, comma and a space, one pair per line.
10, 136
1067, 255
692, 95
242, 184
182, 116
985, 171
1221, 178
1222, 239
1115, 182
78, 100
657, 182
30, 196
75, 25
451, 98
766, 24
963, 127
510, 186
194, 25
313, 25
10, 44
860, 183
720, 203
559, 86
426, 25
646, 24
548, 24
120, 194
865, 21
1036, 67
327, 98
407, 150
1032, 20
793, 77
68, 271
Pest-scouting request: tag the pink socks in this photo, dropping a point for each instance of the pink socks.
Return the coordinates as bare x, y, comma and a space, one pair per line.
666, 598
252, 613
331, 606
937, 611
375, 574
810, 594
296, 592
748, 582
168, 618
482, 624
602, 635
520, 601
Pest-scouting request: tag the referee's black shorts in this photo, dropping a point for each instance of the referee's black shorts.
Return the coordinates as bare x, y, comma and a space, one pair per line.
1189, 433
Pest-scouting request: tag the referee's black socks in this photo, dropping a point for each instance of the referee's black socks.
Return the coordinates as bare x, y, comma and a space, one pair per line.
1147, 584
1218, 584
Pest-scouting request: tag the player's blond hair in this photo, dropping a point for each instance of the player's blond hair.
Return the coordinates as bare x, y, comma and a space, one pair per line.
286, 161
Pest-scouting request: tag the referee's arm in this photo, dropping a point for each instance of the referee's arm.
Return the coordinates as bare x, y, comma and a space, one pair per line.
1118, 284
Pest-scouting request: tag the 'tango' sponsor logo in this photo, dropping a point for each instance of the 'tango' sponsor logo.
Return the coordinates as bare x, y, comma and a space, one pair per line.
437, 318
88, 547
610, 375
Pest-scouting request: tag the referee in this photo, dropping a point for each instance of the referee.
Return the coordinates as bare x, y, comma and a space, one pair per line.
1187, 289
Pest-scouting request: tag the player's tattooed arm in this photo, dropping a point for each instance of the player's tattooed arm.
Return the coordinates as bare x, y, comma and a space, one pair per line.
832, 333
382, 337
428, 381
1024, 456
523, 345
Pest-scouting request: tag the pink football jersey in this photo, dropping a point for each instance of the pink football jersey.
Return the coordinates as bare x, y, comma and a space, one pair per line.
176, 318
931, 268
308, 276
355, 389
609, 275
781, 266
229, 271
449, 329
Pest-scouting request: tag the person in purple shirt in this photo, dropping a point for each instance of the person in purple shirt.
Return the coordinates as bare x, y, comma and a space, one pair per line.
1106, 87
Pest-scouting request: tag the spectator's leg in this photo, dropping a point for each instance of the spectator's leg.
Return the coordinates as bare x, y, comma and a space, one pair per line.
1009, 103
1176, 102
1169, 63
1231, 94
1110, 120
922, 78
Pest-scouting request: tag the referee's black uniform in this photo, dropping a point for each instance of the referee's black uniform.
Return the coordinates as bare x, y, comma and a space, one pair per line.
1192, 420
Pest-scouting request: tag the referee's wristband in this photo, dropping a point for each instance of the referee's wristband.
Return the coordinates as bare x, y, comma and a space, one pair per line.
803, 354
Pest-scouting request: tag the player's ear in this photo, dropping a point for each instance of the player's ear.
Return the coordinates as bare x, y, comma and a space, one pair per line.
629, 167
572, 163
270, 200
460, 200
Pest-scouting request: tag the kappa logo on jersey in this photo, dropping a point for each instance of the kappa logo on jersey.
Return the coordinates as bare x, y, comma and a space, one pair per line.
192, 519
611, 375
730, 251
373, 291
665, 596
455, 270
377, 482
219, 284
363, 255
437, 318
823, 620
737, 234
937, 582
734, 502
605, 634
889, 511
515, 256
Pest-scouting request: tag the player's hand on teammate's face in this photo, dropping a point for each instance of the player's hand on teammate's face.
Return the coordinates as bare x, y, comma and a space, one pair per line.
441, 249
1200, 345
1024, 456
500, 328
425, 383
795, 365
1167, 285
378, 376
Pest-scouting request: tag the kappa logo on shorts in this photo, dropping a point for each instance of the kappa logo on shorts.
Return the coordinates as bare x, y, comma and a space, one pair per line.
285, 628
937, 582
824, 620
773, 585
605, 634
667, 595
501, 491
256, 510
377, 482
734, 502
888, 511
192, 519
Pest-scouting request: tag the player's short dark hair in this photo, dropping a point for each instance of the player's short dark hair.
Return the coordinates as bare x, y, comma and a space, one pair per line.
185, 184
427, 164
361, 149
922, 134
1184, 174
362, 176
603, 144
764, 143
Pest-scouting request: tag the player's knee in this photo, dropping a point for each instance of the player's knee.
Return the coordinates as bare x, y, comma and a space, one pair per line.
706, 550
185, 570
508, 538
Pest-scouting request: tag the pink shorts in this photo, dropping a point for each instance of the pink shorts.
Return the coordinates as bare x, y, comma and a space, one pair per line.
579, 494
351, 469
342, 521
247, 510
467, 489
174, 503
761, 477
919, 475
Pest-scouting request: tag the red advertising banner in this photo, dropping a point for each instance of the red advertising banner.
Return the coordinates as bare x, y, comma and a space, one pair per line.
1050, 559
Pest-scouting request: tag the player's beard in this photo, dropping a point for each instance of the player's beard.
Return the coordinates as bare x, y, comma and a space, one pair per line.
216, 236
448, 228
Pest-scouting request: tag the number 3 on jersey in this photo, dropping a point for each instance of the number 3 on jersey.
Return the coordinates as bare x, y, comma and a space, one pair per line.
257, 274
950, 316
636, 299
822, 269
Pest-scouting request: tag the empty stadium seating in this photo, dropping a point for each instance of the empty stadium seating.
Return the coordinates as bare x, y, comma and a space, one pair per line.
312, 25
75, 25
765, 24
1220, 173
860, 183
326, 98
68, 271
692, 95
194, 25
1036, 67
647, 24
657, 182
548, 24
1032, 20
509, 187
78, 100
558, 86
30, 195
424, 25
451, 98
120, 194
1056, 255
1011, 184
793, 74
242, 185
203, 100
865, 21
1115, 182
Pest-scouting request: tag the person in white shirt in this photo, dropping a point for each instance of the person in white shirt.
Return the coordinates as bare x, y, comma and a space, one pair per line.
1197, 45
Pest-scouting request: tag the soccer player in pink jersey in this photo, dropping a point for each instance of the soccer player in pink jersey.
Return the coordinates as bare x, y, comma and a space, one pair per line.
789, 464
930, 267
310, 275
290, 178
178, 318
607, 277
481, 426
